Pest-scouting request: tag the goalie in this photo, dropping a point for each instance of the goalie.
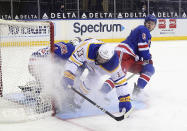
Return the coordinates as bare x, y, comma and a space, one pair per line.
62, 51
39, 61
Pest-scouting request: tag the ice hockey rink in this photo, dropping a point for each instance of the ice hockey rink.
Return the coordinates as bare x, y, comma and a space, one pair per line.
167, 100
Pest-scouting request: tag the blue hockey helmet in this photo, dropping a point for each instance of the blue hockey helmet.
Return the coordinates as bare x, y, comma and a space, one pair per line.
150, 18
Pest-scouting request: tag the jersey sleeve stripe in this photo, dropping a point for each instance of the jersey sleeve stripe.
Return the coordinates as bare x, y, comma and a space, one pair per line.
128, 49
121, 85
120, 82
143, 46
143, 49
110, 83
145, 77
72, 58
145, 43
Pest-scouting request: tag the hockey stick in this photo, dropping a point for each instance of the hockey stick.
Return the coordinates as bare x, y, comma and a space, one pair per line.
130, 76
117, 118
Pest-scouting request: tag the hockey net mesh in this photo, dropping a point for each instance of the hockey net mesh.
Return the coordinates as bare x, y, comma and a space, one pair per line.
23, 96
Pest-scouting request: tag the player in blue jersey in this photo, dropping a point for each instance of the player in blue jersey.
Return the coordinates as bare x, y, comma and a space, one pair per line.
46, 67
62, 51
41, 58
135, 55
100, 59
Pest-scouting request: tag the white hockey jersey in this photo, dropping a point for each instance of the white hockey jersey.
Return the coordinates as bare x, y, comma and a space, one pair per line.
85, 54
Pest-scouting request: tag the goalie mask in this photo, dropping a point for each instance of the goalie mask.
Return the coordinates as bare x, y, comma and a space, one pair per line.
75, 41
104, 54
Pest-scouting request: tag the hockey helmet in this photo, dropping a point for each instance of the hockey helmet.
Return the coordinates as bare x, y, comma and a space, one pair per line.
105, 53
150, 18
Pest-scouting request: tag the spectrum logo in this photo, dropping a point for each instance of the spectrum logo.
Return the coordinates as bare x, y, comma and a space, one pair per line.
78, 28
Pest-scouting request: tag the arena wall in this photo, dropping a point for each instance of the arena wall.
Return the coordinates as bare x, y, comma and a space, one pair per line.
116, 30
108, 30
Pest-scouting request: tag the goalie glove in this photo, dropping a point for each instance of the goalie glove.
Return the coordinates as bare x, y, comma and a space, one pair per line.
143, 61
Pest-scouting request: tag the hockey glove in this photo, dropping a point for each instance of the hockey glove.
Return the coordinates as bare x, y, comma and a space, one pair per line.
148, 62
145, 62
68, 79
124, 102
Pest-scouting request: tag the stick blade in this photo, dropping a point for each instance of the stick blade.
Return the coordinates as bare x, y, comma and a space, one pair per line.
120, 118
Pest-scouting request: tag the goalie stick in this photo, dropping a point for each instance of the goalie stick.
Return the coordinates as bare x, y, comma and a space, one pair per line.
117, 118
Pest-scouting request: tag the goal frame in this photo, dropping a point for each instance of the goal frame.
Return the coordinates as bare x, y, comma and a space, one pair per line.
51, 49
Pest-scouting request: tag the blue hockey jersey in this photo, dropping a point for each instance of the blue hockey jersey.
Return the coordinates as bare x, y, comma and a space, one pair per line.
139, 41
62, 50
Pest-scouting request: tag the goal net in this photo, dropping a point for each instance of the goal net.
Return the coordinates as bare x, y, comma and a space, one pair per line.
22, 91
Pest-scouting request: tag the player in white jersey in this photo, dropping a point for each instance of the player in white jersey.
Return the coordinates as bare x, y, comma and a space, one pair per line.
100, 59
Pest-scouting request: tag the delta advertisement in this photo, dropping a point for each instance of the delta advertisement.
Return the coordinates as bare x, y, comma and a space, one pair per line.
92, 15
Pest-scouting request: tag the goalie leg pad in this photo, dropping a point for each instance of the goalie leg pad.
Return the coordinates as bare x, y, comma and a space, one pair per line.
83, 88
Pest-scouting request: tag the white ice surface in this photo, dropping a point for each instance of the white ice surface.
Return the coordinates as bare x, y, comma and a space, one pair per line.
167, 100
